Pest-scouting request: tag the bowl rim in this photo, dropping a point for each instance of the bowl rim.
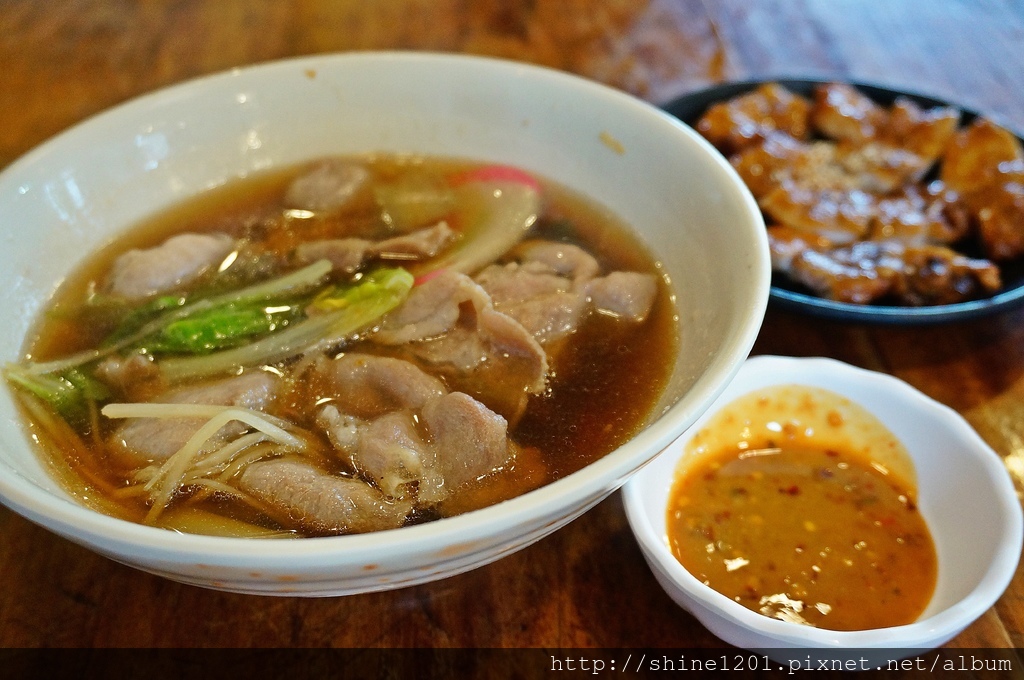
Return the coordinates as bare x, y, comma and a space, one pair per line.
83, 524
941, 625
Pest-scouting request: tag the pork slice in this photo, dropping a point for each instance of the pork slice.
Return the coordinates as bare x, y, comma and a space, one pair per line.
452, 304
470, 441
624, 295
513, 283
547, 305
841, 111
128, 375
926, 132
733, 124
839, 215
563, 259
881, 167
181, 259
860, 273
309, 499
922, 215
498, 362
764, 165
389, 451
431, 310
464, 441
346, 255
450, 323
330, 185
972, 158
393, 454
998, 207
367, 386
552, 287
140, 441
417, 245
785, 244
341, 428
549, 317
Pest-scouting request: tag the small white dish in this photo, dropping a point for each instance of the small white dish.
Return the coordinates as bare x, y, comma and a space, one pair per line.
964, 493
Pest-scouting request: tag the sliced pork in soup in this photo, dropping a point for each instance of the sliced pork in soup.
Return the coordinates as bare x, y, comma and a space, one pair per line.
150, 440
358, 344
176, 262
318, 502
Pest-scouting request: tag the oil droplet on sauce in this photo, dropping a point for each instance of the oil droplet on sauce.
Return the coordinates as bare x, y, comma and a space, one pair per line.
799, 504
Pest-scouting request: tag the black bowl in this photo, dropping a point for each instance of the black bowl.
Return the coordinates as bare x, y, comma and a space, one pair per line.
788, 294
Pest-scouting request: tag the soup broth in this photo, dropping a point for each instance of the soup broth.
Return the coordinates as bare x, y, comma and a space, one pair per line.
351, 345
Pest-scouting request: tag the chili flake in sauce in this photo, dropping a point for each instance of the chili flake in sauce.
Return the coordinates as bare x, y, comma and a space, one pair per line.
800, 516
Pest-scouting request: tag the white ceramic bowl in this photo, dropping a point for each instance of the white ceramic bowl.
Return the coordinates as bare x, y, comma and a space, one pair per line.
965, 495
80, 189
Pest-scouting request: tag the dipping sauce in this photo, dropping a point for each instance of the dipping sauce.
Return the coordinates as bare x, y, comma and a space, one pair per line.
799, 505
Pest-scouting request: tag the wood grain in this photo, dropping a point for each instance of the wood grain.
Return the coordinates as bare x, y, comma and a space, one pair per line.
587, 585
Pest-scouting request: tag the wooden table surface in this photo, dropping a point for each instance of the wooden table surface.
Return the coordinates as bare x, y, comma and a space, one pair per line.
586, 585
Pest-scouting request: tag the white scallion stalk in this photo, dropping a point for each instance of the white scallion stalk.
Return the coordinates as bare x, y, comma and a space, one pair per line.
353, 316
497, 215
261, 421
294, 282
281, 345
163, 483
